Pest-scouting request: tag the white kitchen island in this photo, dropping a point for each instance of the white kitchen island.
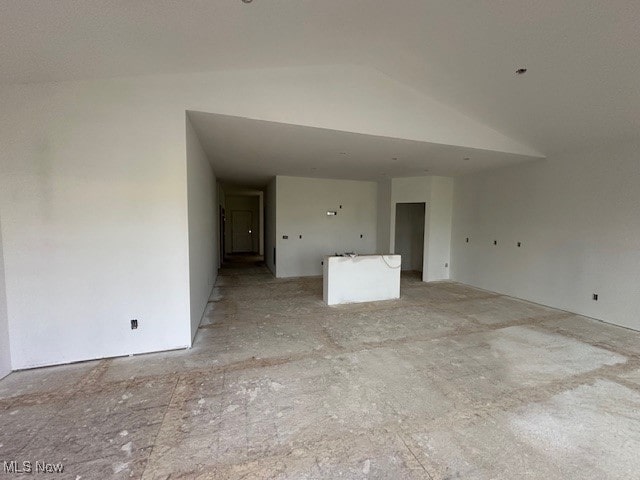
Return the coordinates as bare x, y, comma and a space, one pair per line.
363, 278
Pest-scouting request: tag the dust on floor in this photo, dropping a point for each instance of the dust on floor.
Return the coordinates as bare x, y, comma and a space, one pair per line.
447, 382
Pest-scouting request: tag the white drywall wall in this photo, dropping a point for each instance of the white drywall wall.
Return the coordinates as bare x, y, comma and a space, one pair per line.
409, 236
250, 203
93, 192
270, 255
440, 220
577, 218
202, 208
436, 192
384, 215
93, 199
365, 278
302, 205
5, 352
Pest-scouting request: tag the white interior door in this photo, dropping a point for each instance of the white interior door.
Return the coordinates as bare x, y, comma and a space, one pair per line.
242, 235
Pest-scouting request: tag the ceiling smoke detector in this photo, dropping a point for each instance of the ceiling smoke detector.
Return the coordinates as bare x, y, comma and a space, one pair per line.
520, 71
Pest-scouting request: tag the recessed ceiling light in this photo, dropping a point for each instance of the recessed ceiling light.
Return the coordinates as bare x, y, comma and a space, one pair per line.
521, 71
247, 1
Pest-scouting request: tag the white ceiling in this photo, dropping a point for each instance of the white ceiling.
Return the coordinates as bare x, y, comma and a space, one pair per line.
250, 152
582, 88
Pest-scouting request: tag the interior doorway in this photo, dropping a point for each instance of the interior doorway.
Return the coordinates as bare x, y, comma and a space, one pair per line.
242, 228
409, 235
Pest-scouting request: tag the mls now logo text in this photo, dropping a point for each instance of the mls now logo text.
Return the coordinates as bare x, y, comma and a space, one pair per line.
31, 467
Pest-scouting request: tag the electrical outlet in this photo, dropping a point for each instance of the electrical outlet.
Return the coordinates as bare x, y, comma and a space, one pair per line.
446, 265
300, 236
595, 297
361, 235
284, 237
495, 242
467, 239
134, 324
519, 244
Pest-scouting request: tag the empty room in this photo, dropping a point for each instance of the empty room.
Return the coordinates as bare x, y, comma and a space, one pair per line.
251, 239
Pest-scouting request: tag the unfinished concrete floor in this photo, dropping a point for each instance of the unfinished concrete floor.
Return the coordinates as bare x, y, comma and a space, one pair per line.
447, 382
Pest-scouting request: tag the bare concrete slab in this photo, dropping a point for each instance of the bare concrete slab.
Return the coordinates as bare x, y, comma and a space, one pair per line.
446, 382
589, 432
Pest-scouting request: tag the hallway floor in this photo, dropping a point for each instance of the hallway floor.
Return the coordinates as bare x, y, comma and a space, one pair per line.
447, 382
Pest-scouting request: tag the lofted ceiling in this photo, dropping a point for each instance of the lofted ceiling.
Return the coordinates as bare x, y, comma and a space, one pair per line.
250, 152
582, 86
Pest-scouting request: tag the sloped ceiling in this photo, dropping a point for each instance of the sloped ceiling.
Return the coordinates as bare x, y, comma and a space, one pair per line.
582, 86
250, 152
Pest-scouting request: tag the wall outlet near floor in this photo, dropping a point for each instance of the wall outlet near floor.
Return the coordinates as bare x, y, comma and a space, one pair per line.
595, 297
134, 324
